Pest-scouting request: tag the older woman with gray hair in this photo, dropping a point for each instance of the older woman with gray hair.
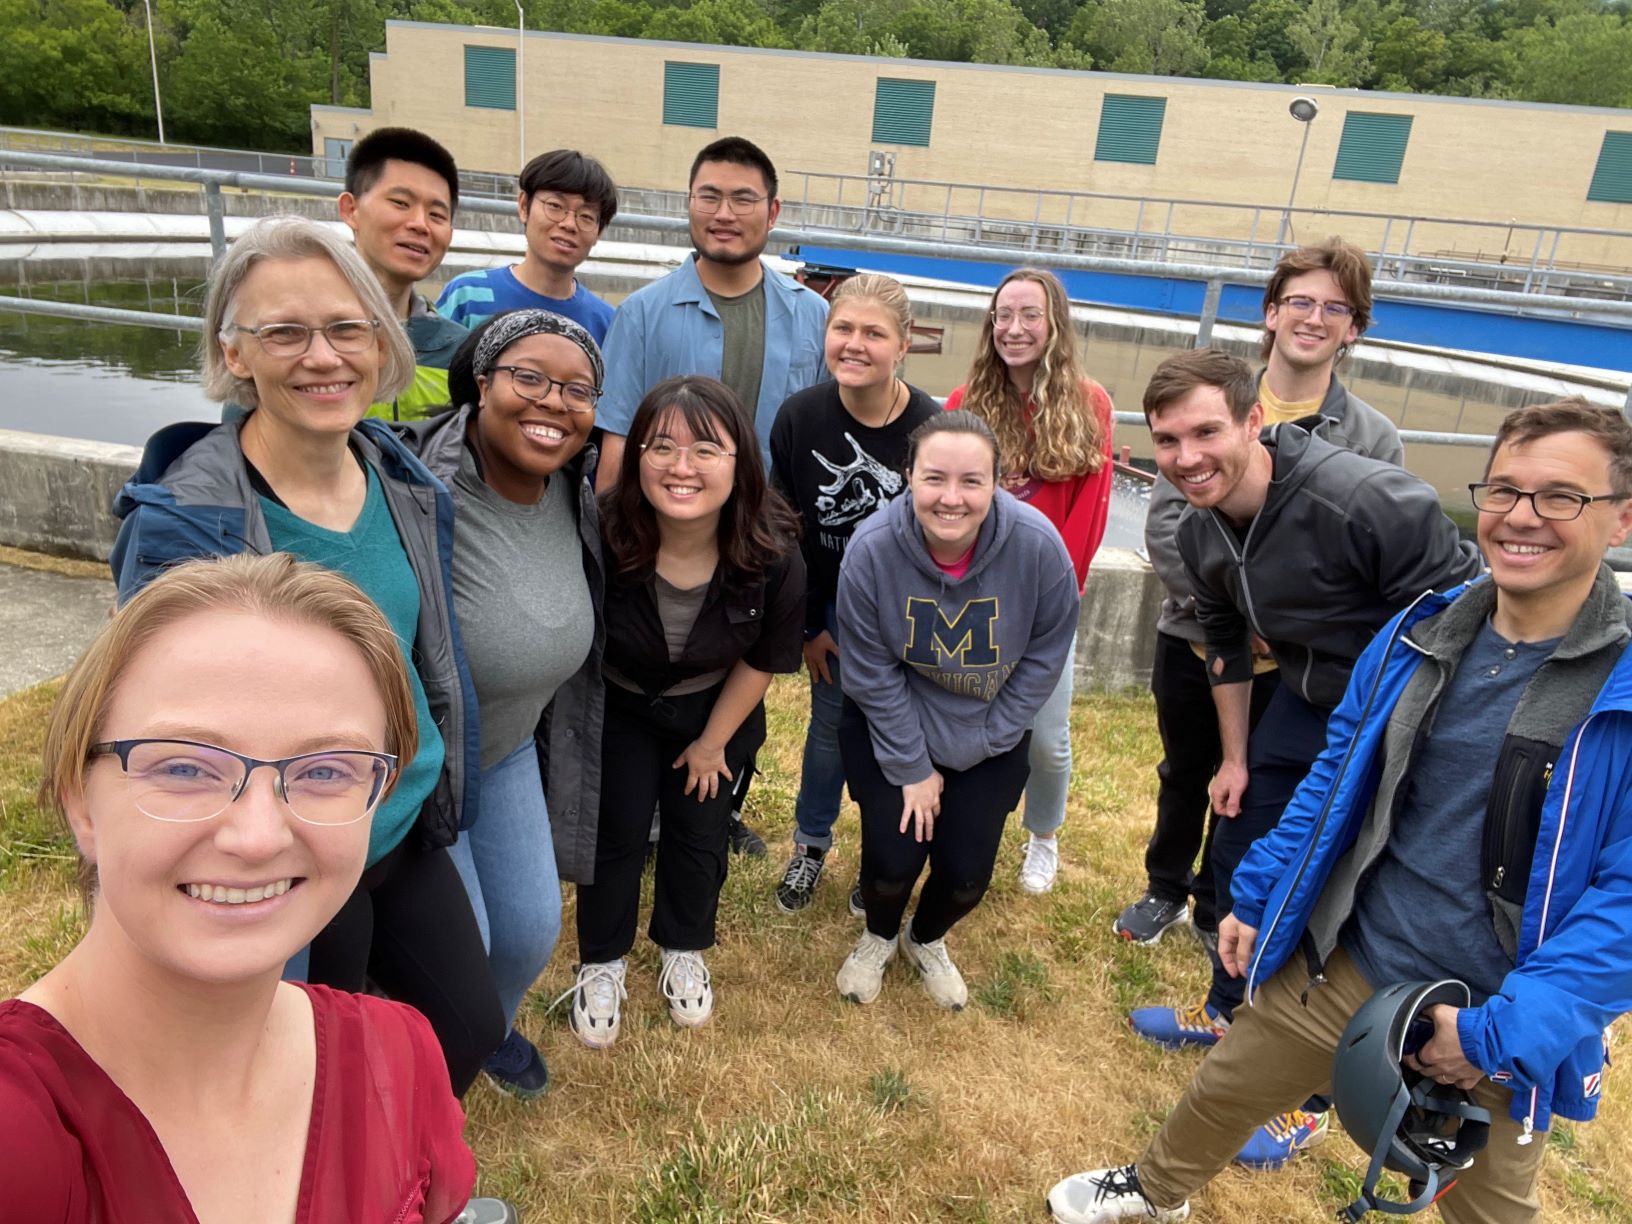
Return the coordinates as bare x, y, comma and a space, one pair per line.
527, 583
299, 335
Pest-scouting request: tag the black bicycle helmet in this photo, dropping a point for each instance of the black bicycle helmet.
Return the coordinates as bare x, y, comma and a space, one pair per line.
1407, 1121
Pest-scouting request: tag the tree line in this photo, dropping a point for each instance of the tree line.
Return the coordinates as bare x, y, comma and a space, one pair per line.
242, 73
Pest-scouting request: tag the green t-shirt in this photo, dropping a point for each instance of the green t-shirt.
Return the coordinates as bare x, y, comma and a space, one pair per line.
372, 556
743, 363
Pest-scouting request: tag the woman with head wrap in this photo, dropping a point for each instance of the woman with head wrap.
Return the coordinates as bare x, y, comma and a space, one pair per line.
527, 591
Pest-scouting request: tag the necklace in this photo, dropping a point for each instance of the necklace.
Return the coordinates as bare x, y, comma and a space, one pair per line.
897, 401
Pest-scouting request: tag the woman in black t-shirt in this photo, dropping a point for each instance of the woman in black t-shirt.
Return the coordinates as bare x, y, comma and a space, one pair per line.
838, 451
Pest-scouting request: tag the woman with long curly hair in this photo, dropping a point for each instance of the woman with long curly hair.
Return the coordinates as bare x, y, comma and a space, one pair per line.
1053, 429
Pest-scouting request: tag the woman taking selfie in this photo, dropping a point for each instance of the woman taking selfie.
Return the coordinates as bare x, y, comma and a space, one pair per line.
298, 332
217, 754
1053, 425
957, 605
837, 452
704, 600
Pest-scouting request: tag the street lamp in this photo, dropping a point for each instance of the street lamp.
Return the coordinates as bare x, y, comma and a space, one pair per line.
521, 83
153, 55
1304, 111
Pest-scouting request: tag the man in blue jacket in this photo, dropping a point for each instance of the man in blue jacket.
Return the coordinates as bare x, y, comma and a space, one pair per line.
1470, 818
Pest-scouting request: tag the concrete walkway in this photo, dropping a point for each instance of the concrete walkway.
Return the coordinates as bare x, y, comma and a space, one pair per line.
45, 621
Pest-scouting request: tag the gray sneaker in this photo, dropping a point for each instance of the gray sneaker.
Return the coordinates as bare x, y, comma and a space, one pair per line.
1149, 918
941, 977
487, 1211
861, 976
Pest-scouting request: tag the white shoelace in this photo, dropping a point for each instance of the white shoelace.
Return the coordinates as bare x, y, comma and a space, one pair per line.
874, 951
1042, 858
684, 978
802, 873
935, 952
603, 987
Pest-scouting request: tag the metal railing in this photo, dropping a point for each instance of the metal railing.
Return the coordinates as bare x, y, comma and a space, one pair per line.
1214, 278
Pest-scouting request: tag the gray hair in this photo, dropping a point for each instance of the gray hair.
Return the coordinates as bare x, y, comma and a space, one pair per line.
292, 237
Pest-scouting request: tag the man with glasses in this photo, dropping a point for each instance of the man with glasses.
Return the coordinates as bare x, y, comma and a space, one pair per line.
1469, 817
1299, 550
566, 202
722, 313
401, 191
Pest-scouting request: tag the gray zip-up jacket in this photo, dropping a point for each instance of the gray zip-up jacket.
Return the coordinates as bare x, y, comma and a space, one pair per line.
1341, 544
1343, 419
569, 733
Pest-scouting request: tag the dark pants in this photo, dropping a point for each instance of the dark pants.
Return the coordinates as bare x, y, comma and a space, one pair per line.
975, 803
640, 741
1286, 741
408, 927
1188, 724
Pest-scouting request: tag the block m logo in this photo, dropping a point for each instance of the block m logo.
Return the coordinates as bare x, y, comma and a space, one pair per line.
967, 637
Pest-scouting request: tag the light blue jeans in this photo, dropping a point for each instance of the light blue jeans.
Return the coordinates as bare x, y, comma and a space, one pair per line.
507, 861
1051, 756
821, 777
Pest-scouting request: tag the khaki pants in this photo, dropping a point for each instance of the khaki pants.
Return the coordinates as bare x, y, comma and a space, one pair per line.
1276, 1055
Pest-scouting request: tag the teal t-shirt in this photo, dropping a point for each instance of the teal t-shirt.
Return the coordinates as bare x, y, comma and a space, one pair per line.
372, 556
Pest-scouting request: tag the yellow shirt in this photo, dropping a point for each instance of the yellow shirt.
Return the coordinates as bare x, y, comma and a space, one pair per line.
1278, 411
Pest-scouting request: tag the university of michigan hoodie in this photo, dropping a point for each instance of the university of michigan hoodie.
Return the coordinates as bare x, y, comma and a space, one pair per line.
951, 671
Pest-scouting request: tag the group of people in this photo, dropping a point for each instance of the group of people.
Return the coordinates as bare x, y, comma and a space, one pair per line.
496, 591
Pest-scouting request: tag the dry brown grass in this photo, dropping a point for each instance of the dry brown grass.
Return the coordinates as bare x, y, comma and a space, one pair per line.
795, 1106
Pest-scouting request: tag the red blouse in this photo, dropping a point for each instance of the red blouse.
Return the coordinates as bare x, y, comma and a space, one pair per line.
1078, 507
384, 1143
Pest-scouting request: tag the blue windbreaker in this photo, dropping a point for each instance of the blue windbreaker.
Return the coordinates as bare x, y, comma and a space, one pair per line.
1543, 1033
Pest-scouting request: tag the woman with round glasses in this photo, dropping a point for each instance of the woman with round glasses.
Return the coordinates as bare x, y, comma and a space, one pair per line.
527, 584
1053, 428
704, 602
298, 333
217, 754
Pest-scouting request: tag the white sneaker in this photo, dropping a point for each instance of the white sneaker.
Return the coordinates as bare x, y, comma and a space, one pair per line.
934, 965
861, 976
1102, 1195
1041, 864
685, 983
596, 997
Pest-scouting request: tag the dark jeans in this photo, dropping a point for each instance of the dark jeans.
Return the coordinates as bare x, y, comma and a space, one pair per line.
408, 927
640, 741
975, 803
1188, 724
1286, 741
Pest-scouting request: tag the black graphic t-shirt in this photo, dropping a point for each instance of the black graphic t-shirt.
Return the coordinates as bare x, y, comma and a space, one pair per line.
837, 471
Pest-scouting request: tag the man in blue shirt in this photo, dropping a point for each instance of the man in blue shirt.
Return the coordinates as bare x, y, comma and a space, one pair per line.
722, 312
566, 202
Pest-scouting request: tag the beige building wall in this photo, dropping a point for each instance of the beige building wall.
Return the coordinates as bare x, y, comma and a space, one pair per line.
1021, 131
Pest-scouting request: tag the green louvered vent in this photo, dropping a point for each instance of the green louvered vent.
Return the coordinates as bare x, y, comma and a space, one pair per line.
903, 112
490, 77
1372, 148
1130, 129
691, 94
1612, 180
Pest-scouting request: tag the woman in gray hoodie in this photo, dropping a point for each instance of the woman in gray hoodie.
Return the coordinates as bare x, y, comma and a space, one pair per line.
956, 609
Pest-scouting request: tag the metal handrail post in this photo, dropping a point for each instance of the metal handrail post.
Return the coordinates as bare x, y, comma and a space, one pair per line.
218, 222
1209, 312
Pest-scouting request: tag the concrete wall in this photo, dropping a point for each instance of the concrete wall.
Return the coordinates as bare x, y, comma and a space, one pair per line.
1027, 128
56, 494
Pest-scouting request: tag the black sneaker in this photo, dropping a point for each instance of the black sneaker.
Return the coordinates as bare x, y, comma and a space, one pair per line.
1208, 938
517, 1068
1149, 918
798, 887
858, 908
744, 840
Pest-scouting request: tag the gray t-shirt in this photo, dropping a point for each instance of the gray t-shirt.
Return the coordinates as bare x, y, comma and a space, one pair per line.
522, 600
744, 362
1423, 914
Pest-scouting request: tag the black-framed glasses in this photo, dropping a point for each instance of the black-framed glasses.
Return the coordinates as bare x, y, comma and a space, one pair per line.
664, 453
1559, 505
184, 781
587, 218
738, 203
533, 386
293, 339
1298, 304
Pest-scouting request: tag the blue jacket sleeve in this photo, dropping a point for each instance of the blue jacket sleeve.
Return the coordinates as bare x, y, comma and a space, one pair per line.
1035, 676
150, 540
625, 351
874, 679
1572, 986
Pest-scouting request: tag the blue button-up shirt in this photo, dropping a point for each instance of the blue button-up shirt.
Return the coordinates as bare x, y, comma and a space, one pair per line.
670, 327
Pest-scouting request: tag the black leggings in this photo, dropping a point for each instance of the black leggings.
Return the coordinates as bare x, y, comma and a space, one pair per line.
640, 740
408, 928
975, 804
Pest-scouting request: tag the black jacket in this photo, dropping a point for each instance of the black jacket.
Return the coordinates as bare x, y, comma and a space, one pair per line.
1341, 544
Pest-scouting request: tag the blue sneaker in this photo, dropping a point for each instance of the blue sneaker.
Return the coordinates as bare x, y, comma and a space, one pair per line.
1177, 1027
1283, 1137
517, 1068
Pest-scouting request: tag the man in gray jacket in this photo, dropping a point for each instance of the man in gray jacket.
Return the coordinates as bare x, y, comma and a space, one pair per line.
1299, 549
1316, 306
